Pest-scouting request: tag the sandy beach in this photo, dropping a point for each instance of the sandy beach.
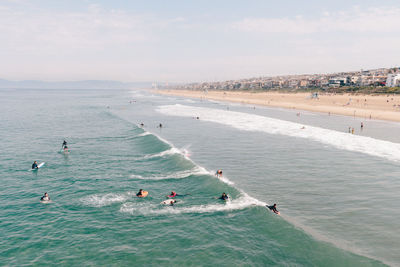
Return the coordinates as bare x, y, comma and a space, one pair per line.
381, 107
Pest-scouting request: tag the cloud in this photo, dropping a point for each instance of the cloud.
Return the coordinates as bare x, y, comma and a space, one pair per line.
355, 20
33, 29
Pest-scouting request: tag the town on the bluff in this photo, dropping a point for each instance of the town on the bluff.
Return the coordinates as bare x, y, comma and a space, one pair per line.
380, 80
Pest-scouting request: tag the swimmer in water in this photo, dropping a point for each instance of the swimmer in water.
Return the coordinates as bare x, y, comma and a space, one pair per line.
140, 193
224, 197
218, 173
173, 194
45, 197
34, 165
172, 202
273, 208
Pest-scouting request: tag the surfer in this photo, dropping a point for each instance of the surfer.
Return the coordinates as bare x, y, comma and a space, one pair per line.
218, 173
140, 193
160, 126
34, 165
45, 197
64, 144
173, 194
224, 197
273, 208
172, 202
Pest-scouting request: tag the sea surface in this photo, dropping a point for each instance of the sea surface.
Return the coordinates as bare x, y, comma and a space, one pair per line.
338, 193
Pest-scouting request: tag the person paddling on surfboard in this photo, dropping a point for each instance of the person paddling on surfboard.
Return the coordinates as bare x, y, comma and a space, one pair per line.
224, 197
34, 165
273, 208
174, 194
140, 193
45, 197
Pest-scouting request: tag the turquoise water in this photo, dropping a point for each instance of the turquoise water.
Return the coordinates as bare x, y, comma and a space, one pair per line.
339, 200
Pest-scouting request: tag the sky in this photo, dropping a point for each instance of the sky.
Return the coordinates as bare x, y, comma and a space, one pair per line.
193, 41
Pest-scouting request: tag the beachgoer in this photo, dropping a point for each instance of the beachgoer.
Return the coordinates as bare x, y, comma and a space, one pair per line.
273, 208
349, 129
224, 196
352, 130
34, 165
45, 197
362, 125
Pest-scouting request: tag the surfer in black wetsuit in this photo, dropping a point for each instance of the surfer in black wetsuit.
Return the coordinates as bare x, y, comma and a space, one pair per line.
64, 144
34, 165
45, 197
273, 208
140, 193
224, 196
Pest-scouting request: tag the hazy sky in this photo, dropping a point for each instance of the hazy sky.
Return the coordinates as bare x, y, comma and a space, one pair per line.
181, 41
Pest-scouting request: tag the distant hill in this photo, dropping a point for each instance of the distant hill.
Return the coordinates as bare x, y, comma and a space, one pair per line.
87, 84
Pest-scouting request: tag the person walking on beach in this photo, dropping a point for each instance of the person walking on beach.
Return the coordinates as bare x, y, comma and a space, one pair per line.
362, 125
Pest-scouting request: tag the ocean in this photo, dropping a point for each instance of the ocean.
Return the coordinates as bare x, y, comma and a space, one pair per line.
338, 193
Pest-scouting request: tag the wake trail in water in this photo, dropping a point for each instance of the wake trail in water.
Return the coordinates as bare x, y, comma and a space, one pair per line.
240, 203
175, 175
257, 123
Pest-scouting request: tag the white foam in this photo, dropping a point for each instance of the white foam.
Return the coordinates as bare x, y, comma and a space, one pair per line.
237, 204
175, 175
251, 122
168, 152
143, 134
99, 200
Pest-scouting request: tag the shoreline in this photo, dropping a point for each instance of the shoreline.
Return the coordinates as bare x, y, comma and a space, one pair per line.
377, 107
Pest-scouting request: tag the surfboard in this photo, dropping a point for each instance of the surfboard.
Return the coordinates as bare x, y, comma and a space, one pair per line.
168, 202
38, 167
144, 194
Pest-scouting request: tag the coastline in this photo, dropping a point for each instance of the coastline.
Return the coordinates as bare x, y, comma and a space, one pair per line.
379, 107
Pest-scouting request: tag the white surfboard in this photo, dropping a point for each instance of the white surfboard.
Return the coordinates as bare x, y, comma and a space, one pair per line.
168, 202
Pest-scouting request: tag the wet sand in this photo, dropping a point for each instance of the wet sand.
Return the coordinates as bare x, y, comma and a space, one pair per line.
381, 107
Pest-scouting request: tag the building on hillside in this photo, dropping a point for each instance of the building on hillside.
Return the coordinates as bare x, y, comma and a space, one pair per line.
393, 80
337, 81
